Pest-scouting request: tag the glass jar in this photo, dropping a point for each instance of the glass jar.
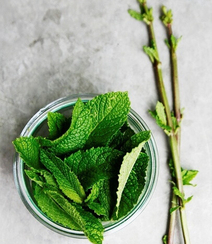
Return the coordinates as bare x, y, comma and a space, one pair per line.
37, 126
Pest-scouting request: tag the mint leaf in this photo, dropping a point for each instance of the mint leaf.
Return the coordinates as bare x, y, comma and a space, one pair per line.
188, 176
41, 177
121, 136
135, 140
126, 167
160, 117
136, 15
100, 199
94, 164
181, 195
49, 207
100, 118
28, 148
109, 113
91, 226
78, 108
160, 110
57, 124
134, 186
68, 182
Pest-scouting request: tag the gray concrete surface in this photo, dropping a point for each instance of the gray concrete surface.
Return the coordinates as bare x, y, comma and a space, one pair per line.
50, 49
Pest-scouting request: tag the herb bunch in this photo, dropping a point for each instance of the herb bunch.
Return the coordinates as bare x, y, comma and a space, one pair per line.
169, 121
92, 166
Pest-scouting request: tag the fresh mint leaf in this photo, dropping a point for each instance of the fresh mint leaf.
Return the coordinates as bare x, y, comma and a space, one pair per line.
78, 108
100, 199
94, 164
28, 149
57, 124
91, 226
109, 112
134, 186
126, 167
160, 110
41, 177
188, 176
160, 117
136, 15
135, 140
49, 207
68, 182
121, 136
181, 195
100, 118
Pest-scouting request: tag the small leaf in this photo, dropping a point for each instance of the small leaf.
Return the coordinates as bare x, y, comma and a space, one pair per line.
167, 17
152, 53
28, 148
68, 182
188, 176
160, 110
49, 207
126, 167
174, 209
181, 195
136, 15
165, 238
174, 42
57, 124
91, 226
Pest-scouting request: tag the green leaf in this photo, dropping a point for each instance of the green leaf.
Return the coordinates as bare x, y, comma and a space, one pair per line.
135, 140
78, 108
136, 15
188, 176
57, 124
94, 164
34, 176
167, 17
174, 42
160, 110
134, 186
174, 209
160, 117
99, 200
165, 238
109, 112
28, 148
181, 196
152, 53
90, 225
49, 207
41, 177
121, 136
100, 118
126, 167
68, 182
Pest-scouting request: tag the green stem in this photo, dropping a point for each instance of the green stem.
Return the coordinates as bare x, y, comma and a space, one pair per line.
172, 220
179, 182
175, 82
162, 92
159, 76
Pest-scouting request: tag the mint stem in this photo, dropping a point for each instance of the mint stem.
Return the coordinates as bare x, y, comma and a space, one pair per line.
173, 139
167, 19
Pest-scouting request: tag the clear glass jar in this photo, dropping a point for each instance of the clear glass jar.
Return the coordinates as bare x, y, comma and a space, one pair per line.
37, 126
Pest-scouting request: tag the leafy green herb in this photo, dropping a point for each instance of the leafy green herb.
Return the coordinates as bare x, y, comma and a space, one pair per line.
28, 148
94, 170
57, 124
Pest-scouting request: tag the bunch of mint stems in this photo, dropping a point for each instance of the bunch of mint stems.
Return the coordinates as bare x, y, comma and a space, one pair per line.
173, 118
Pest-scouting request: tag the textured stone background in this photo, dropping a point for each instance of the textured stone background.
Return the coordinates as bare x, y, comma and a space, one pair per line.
50, 49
